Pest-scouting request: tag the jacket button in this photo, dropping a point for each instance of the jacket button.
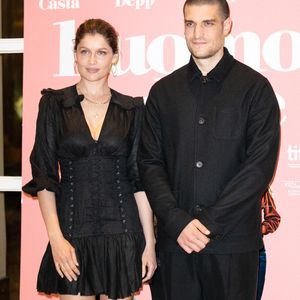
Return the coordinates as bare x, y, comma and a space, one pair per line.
197, 209
199, 164
201, 120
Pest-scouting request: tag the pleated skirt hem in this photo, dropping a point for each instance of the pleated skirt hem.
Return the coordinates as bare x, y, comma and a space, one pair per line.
108, 264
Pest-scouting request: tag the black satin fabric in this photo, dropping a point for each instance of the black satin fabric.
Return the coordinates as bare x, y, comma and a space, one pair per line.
94, 182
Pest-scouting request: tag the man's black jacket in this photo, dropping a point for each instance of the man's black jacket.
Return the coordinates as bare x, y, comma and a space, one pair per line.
209, 148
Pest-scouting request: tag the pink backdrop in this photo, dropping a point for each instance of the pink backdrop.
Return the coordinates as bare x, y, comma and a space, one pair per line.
265, 36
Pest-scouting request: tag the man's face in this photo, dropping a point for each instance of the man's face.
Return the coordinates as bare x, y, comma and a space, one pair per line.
205, 30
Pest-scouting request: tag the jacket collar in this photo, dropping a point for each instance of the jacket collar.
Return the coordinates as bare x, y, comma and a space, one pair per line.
218, 73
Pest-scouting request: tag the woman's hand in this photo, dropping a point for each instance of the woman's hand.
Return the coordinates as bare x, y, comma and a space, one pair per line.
63, 253
148, 262
64, 257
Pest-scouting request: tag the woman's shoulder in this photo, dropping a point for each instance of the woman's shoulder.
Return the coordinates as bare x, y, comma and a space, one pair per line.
56, 92
127, 102
65, 96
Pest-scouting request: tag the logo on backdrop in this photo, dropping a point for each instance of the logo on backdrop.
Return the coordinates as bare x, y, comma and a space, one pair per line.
137, 4
152, 53
294, 156
59, 4
293, 187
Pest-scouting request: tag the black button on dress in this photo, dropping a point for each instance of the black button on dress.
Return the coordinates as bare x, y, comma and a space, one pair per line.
94, 182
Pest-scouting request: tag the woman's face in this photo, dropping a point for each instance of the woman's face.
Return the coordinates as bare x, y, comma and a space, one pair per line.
94, 57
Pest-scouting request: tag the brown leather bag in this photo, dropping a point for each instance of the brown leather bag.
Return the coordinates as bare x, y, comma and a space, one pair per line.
271, 218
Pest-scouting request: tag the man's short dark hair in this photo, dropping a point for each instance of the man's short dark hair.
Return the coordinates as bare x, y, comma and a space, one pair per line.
223, 5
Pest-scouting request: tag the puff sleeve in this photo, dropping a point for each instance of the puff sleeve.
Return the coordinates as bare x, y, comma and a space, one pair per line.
43, 159
135, 138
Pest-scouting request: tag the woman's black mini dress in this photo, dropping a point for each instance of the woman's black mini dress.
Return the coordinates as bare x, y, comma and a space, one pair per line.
94, 182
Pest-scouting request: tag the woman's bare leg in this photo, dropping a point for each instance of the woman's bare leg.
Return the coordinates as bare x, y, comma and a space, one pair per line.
104, 297
76, 297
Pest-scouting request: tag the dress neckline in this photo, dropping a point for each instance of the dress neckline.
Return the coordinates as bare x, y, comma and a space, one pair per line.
107, 113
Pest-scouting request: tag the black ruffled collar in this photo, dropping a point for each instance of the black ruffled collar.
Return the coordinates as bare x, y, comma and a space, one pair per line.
70, 97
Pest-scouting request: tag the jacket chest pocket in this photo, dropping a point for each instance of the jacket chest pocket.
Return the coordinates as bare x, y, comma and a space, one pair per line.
227, 123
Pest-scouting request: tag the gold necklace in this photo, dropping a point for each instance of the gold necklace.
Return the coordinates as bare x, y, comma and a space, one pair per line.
94, 118
106, 98
93, 110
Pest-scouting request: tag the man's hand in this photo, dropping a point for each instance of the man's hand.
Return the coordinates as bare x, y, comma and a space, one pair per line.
193, 237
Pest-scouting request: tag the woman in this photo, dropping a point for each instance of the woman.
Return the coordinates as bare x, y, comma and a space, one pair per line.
85, 176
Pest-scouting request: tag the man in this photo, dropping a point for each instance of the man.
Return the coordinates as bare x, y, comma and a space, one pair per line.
209, 148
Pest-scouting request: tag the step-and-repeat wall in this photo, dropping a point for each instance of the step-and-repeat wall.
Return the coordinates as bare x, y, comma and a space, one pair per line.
265, 36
